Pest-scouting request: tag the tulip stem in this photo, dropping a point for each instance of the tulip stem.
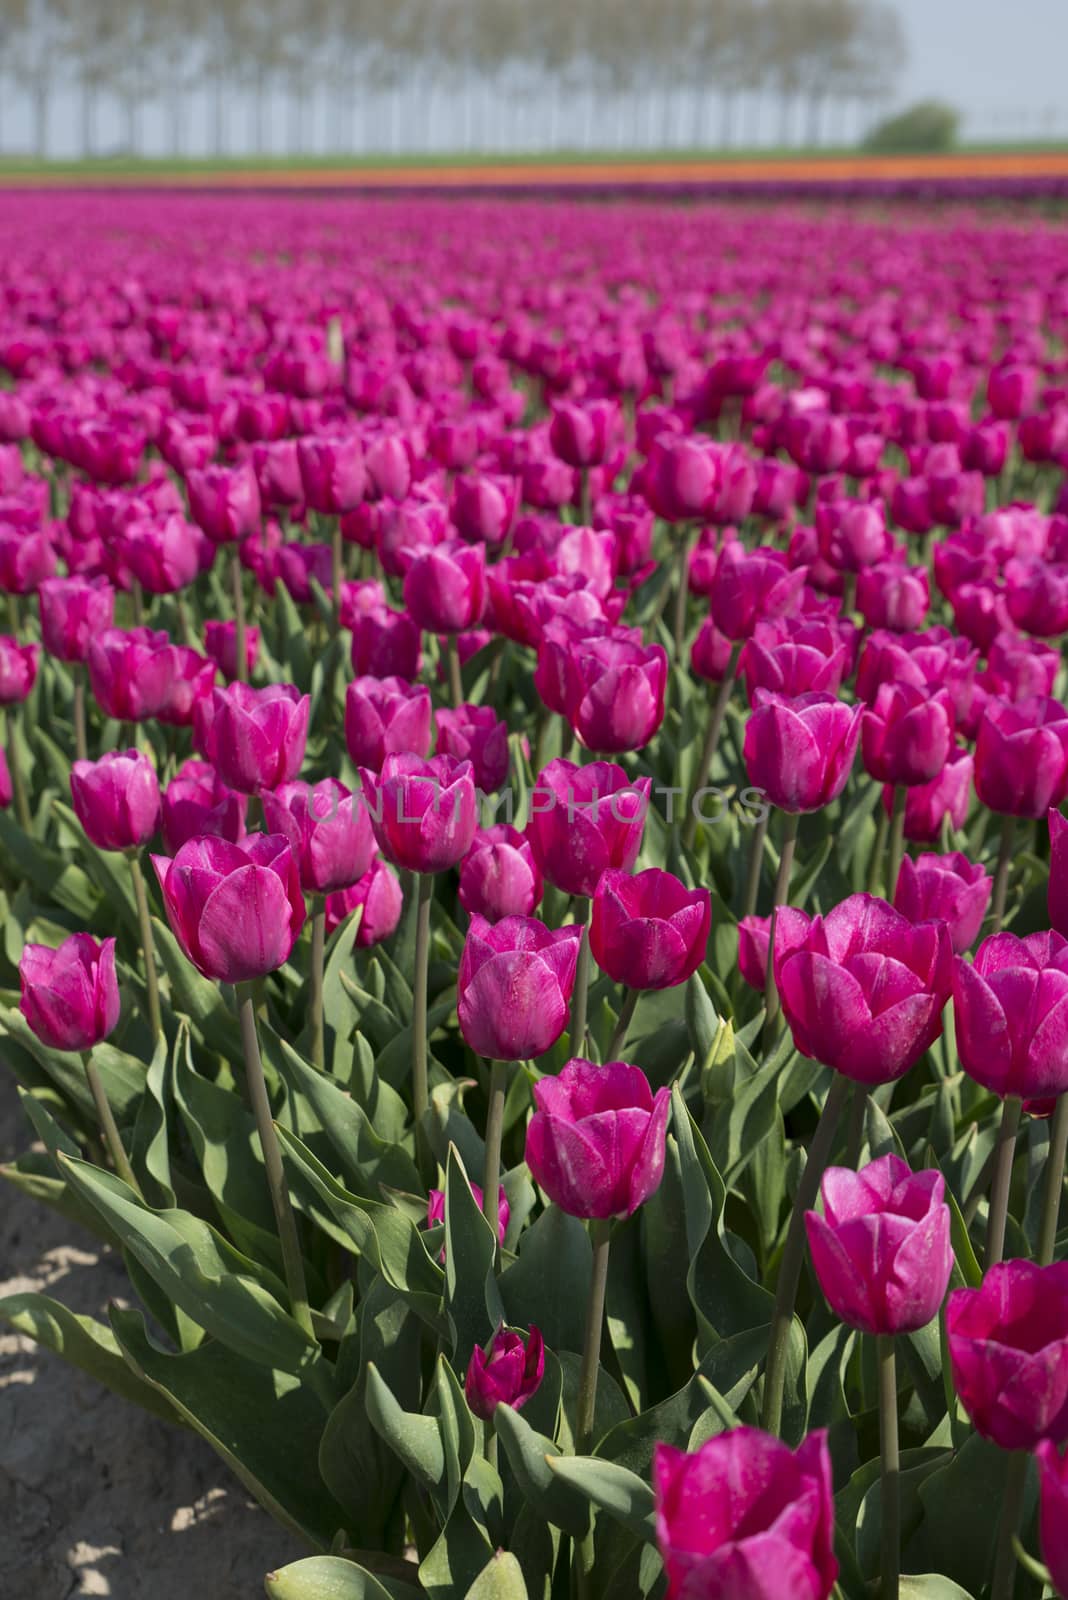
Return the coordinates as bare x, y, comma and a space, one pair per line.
286, 1222
1001, 875
708, 750
1051, 1201
18, 777
600, 1237
1002, 1585
782, 897
315, 981
108, 1126
896, 847
890, 1493
580, 993
678, 632
756, 863
491, 1172
81, 743
138, 600
793, 1253
420, 1079
858, 1112
238, 585
879, 851
626, 1017
1004, 1155
148, 952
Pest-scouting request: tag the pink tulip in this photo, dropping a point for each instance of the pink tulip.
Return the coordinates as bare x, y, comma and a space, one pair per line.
499, 876
507, 1372
474, 733
800, 752
445, 587
70, 995
584, 820
424, 813
386, 716
648, 931
379, 900
116, 799
907, 735
225, 501
514, 986
615, 693
1021, 757
18, 670
328, 830
236, 910
1008, 1350
255, 738
1011, 1012
73, 612
196, 803
949, 889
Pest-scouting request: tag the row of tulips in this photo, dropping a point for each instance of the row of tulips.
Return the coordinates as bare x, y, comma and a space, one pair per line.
533, 520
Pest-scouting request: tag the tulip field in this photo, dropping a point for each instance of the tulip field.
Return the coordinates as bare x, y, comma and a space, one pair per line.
533, 879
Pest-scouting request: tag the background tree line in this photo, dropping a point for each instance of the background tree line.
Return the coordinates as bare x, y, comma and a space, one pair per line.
343, 76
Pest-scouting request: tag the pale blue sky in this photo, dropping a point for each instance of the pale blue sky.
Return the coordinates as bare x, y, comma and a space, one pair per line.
992, 58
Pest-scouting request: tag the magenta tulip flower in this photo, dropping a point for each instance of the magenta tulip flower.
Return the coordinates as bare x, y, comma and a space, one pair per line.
332, 472
927, 805
18, 670
596, 1141
328, 829
584, 820
800, 752
70, 995
582, 434
615, 692
746, 1516
116, 799
682, 478
163, 552
1021, 756
710, 653
225, 501
484, 507
476, 734
385, 644
813, 657
949, 889
445, 587
131, 673
893, 596
1008, 1349
1053, 1512
220, 643
649, 931
751, 587
499, 876
379, 900
864, 993
507, 1372
424, 813
791, 931
255, 738
907, 734
236, 910
196, 803
73, 612
514, 986
1011, 1012
881, 1248
386, 716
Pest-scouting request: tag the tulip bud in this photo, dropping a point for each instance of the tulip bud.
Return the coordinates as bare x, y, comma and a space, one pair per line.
710, 653
435, 1210
792, 657
236, 910
225, 501
1008, 1350
70, 995
791, 931
256, 737
116, 799
484, 507
499, 876
649, 931
332, 472
596, 1141
881, 1250
424, 813
131, 673
475, 734
514, 986
583, 434
890, 595
328, 829
751, 587
18, 670
584, 820
507, 1372
378, 898
927, 805
386, 716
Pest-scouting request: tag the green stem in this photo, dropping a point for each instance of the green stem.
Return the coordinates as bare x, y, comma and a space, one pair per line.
580, 993
14, 621
81, 743
138, 600
891, 1471
1001, 876
782, 896
626, 1017
896, 847
849, 595
756, 863
315, 980
1011, 1504
1004, 1155
600, 1236
793, 1254
18, 777
878, 853
456, 683
237, 584
708, 749
585, 498
148, 949
108, 1126
857, 1113
1051, 1200
286, 1222
491, 1172
420, 1077
682, 590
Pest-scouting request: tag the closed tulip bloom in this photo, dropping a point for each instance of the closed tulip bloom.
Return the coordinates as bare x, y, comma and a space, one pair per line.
1058, 872
257, 736
225, 501
73, 612
299, 565
1011, 390
927, 805
615, 693
328, 829
1036, 594
949, 889
1008, 1348
196, 803
131, 673
27, 559
881, 1249
70, 995
791, 931
385, 644
1053, 1512
191, 679
499, 876
277, 468
584, 820
751, 587
582, 434
1018, 668
476, 734
1021, 756
1011, 1012
116, 799
386, 716
514, 986
710, 653
933, 660
864, 993
682, 477
163, 552
332, 471
389, 467
379, 900
424, 813
813, 658
407, 530
484, 507
435, 1210
559, 637
18, 670
890, 595
852, 534
445, 587
649, 931
801, 751
507, 1372
220, 643
596, 1141
746, 1518
907, 734
236, 910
